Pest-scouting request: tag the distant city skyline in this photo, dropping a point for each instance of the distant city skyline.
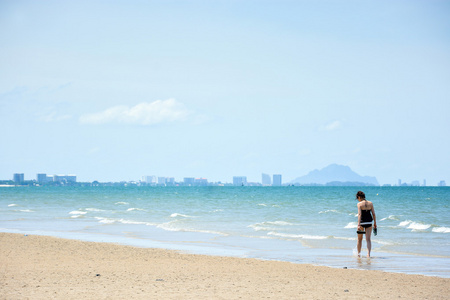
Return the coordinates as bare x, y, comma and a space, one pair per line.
116, 90
191, 181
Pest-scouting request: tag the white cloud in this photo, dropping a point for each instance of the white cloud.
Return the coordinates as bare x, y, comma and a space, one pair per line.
145, 113
331, 126
54, 117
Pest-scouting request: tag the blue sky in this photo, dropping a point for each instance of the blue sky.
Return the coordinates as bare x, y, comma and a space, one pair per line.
113, 90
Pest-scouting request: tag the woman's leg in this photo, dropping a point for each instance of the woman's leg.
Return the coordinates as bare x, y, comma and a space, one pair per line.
359, 243
368, 240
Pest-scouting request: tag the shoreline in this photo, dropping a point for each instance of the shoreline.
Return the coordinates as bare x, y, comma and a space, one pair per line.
49, 267
400, 263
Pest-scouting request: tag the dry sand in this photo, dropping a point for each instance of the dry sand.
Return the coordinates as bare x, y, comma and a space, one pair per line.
39, 267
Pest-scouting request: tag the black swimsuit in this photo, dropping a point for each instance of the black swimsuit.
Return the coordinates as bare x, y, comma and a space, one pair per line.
366, 219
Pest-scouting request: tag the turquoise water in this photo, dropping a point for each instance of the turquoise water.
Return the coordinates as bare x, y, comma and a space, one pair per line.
299, 224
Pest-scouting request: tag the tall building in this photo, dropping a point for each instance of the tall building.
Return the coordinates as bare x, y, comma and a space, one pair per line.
240, 180
424, 182
43, 178
201, 181
170, 180
276, 180
149, 179
162, 180
399, 182
65, 178
442, 183
265, 179
19, 177
189, 181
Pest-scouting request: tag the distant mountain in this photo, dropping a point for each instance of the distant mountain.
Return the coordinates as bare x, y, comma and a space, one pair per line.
335, 175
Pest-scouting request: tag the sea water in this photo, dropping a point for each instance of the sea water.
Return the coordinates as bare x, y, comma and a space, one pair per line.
315, 225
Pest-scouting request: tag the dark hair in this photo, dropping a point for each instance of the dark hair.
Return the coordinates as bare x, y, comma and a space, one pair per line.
361, 195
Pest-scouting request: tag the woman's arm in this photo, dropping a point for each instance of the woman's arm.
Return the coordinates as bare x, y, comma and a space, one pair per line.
359, 216
374, 217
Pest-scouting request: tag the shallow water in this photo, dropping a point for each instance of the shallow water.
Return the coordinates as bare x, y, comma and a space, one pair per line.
298, 224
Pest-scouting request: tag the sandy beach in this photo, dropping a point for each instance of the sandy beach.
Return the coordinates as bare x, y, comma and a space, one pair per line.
40, 267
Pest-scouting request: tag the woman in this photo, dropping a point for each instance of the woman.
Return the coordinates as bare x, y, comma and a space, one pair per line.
366, 214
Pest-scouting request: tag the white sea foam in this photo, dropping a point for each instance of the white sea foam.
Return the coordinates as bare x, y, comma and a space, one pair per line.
269, 225
282, 223
12, 205
262, 204
414, 225
168, 226
133, 208
122, 203
344, 238
258, 227
26, 210
328, 211
174, 215
441, 229
391, 217
105, 220
135, 222
301, 236
171, 226
77, 212
353, 214
405, 223
94, 209
379, 241
351, 225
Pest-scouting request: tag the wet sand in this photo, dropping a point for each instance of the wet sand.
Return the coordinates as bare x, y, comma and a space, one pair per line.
40, 267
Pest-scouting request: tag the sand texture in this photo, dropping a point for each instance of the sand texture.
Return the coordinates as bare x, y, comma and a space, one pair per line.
38, 267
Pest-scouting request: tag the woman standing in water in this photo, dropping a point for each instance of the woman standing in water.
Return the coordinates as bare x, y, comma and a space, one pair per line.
366, 214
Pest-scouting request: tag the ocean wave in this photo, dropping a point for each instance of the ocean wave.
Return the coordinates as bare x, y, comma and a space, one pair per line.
10, 205
94, 209
105, 220
301, 236
352, 225
170, 226
391, 217
441, 229
281, 223
77, 212
262, 204
344, 238
328, 211
133, 208
404, 223
384, 243
26, 210
122, 203
257, 227
269, 225
414, 225
123, 221
353, 214
174, 215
